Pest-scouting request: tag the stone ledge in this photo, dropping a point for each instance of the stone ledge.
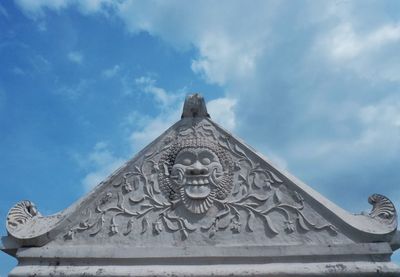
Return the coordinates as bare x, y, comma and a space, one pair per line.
276, 251
271, 270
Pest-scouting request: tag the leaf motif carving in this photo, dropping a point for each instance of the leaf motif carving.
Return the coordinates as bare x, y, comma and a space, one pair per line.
258, 197
170, 225
129, 227
156, 187
302, 224
146, 205
120, 200
269, 224
244, 190
239, 150
208, 226
99, 225
254, 180
149, 154
184, 234
138, 170
236, 189
223, 224
250, 221
145, 224
242, 179
277, 196
189, 226
276, 178
221, 214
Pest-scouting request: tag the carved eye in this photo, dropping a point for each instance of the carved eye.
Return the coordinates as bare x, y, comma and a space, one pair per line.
205, 161
187, 161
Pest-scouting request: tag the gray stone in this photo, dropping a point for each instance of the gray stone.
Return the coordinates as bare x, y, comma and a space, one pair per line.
198, 201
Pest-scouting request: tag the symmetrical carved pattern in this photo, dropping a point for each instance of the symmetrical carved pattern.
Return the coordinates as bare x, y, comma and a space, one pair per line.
195, 168
21, 213
382, 208
197, 171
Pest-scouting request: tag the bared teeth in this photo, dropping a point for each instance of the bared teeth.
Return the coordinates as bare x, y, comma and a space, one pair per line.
196, 181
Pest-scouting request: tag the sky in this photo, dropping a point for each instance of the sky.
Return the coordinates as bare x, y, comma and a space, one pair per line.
84, 85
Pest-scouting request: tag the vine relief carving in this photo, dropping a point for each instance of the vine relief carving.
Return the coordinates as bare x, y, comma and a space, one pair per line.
209, 177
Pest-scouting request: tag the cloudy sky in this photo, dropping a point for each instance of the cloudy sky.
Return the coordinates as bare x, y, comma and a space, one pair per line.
84, 85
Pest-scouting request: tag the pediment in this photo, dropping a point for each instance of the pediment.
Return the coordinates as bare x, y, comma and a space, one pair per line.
198, 186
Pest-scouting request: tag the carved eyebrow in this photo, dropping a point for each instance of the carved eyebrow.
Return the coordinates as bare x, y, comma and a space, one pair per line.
187, 153
207, 154
188, 150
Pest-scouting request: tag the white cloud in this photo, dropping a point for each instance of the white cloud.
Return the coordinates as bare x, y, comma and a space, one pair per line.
142, 129
42, 26
152, 127
376, 141
36, 8
364, 52
75, 57
319, 76
147, 128
3, 11
111, 72
345, 43
223, 59
102, 163
382, 125
222, 111
75, 91
40, 64
228, 47
161, 96
18, 71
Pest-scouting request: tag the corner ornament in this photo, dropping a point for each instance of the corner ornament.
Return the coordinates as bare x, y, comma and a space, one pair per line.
382, 209
20, 215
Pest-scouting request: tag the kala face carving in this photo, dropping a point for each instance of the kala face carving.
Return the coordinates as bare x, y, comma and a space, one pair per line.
196, 171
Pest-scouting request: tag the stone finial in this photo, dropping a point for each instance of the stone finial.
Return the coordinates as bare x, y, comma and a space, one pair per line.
194, 106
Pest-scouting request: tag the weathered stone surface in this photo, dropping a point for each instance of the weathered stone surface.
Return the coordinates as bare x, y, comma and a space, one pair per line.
199, 202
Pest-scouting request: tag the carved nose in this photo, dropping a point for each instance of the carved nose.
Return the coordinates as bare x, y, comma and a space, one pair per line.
197, 169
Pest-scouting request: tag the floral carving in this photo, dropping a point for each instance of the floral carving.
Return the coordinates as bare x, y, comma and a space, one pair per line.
195, 169
249, 199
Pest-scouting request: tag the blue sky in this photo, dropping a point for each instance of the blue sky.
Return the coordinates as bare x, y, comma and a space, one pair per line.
313, 85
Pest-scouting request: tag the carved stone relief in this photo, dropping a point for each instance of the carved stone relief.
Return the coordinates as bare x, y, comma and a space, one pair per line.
208, 175
20, 214
196, 171
382, 208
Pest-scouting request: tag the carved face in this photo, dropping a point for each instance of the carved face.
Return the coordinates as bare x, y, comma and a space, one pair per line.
196, 171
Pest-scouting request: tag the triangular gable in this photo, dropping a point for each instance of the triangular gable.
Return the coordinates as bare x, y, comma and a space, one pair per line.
197, 186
